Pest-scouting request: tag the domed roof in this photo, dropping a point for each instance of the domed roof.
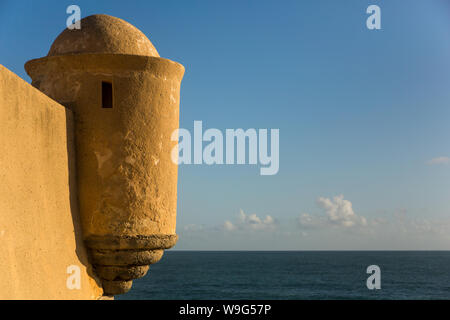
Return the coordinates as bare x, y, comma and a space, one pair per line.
103, 34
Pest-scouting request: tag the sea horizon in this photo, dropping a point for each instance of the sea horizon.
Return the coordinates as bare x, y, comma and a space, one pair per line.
296, 275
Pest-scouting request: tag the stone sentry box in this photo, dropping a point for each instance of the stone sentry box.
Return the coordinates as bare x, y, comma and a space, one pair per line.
125, 100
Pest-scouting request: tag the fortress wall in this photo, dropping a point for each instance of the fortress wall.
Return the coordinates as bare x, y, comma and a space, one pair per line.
40, 235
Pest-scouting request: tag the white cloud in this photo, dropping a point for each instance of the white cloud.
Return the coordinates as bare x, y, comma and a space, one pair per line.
405, 224
399, 229
229, 226
338, 212
309, 221
250, 222
439, 160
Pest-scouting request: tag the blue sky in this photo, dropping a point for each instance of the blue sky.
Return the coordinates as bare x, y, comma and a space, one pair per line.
362, 114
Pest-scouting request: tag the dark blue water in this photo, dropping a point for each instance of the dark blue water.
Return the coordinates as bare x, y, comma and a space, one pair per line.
294, 275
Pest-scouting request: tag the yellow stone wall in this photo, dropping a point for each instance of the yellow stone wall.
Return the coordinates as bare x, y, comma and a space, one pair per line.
40, 232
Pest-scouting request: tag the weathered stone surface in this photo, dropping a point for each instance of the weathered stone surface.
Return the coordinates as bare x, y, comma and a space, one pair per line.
40, 229
156, 241
101, 33
112, 288
125, 257
121, 273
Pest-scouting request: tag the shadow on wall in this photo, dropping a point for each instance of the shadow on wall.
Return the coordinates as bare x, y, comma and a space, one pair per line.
80, 250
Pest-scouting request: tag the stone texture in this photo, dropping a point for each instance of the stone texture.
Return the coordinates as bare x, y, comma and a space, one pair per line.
125, 257
101, 33
121, 273
113, 288
40, 229
131, 242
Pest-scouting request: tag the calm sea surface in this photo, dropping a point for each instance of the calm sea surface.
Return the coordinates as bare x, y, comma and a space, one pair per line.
294, 275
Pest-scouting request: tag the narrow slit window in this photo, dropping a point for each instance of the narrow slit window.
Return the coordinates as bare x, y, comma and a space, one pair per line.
107, 95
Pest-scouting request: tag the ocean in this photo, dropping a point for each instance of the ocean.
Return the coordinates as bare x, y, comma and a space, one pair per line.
261, 275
